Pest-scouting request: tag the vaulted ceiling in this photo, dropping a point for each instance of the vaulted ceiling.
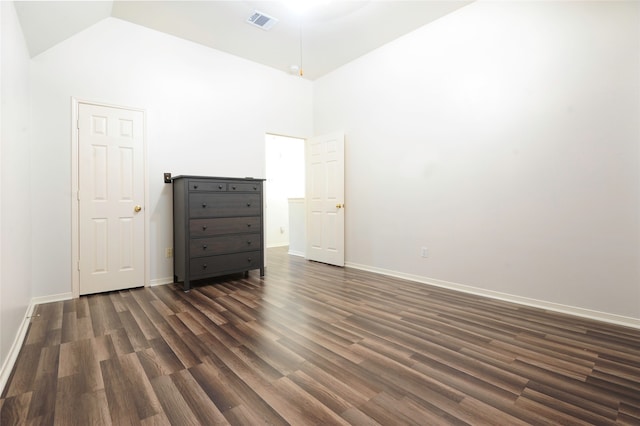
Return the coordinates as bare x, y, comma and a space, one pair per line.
319, 40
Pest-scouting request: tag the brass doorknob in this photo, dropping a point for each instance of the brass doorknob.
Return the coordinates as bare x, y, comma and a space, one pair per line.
339, 206
137, 209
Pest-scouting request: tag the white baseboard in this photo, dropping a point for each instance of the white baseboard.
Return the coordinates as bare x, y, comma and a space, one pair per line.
551, 306
277, 245
161, 281
14, 350
296, 253
51, 298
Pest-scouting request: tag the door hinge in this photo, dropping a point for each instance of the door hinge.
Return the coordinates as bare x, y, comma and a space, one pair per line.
78, 123
78, 265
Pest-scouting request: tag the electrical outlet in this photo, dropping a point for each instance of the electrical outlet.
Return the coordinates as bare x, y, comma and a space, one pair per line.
424, 252
168, 252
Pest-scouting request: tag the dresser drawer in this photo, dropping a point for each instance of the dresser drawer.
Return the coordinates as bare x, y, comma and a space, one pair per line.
221, 205
225, 263
203, 185
244, 187
224, 225
225, 244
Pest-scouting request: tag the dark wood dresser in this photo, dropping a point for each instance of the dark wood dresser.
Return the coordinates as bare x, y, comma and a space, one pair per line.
217, 227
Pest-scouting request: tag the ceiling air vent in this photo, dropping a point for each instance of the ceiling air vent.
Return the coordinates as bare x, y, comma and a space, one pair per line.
261, 20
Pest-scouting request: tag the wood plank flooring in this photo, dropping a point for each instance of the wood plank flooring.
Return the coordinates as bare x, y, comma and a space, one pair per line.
312, 344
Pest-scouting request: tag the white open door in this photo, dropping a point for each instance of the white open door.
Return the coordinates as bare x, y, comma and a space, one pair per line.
111, 198
325, 199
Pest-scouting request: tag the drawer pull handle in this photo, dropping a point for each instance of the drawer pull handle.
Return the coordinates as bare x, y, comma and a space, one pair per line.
248, 204
255, 188
204, 227
233, 187
219, 186
195, 186
204, 266
204, 247
248, 225
204, 205
248, 259
249, 242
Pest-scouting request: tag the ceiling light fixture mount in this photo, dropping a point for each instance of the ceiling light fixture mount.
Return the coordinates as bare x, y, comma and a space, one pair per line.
303, 7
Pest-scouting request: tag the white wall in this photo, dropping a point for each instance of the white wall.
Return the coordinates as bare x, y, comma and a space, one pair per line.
15, 233
505, 138
285, 179
207, 114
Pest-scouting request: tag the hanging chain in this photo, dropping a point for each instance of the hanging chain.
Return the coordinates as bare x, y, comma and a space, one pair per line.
300, 70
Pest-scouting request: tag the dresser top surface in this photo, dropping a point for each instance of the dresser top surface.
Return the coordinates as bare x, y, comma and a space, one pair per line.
216, 178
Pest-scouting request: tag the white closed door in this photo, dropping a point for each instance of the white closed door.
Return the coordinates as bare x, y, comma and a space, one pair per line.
325, 199
110, 198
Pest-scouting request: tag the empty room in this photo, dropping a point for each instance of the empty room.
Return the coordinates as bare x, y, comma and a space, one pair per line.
466, 250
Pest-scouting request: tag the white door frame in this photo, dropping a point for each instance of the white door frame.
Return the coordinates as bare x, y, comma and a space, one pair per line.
75, 205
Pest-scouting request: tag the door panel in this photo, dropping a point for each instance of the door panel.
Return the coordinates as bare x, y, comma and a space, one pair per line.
325, 199
111, 186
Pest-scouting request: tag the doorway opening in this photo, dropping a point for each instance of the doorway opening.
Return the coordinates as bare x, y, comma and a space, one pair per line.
285, 192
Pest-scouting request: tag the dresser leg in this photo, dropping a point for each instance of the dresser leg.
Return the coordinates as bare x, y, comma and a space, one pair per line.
262, 272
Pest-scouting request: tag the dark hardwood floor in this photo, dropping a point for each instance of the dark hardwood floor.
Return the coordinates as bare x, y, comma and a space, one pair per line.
312, 344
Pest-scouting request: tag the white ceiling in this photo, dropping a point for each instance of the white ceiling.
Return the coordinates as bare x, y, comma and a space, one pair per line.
323, 39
